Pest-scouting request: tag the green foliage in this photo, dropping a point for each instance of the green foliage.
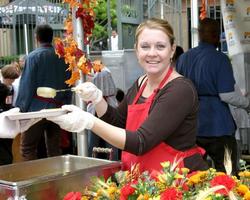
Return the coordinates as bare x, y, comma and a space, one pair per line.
100, 32
5, 60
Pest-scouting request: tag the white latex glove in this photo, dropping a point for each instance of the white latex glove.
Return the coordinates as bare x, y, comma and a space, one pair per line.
10, 128
76, 120
89, 92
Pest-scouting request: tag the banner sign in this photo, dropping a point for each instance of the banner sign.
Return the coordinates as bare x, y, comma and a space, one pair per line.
236, 18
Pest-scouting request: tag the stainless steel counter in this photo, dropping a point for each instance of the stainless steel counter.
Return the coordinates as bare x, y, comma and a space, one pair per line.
51, 178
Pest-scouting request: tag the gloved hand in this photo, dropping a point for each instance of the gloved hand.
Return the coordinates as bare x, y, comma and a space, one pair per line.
10, 128
89, 92
76, 120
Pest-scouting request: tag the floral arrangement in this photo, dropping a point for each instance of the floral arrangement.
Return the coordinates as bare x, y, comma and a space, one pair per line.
172, 183
67, 47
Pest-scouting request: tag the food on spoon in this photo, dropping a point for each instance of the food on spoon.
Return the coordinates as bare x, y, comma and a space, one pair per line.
46, 92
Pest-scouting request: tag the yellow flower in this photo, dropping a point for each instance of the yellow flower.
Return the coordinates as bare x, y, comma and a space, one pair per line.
143, 197
245, 174
212, 170
162, 178
165, 164
220, 173
242, 189
185, 170
155, 198
247, 196
197, 178
112, 190
161, 186
176, 176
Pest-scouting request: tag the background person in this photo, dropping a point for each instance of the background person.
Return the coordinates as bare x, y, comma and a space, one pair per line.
212, 75
6, 156
15, 84
42, 68
178, 52
150, 125
119, 95
9, 74
114, 41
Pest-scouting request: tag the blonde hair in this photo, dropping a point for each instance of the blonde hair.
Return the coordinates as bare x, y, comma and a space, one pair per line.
155, 23
10, 71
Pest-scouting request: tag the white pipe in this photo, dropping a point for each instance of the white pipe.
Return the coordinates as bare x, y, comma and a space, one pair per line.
82, 140
162, 9
194, 22
26, 39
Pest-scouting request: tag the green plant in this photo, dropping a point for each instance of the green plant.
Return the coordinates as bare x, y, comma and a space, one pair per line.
5, 60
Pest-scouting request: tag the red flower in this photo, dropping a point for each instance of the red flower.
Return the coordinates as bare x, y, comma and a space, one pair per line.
224, 180
185, 187
171, 194
73, 196
127, 190
154, 175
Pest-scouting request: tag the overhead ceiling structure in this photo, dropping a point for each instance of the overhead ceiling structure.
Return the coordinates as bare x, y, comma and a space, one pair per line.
29, 7
19, 18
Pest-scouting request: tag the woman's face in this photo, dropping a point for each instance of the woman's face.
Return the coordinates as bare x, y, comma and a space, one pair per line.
154, 51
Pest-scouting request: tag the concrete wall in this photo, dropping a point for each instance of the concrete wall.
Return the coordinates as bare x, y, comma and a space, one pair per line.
5, 42
123, 66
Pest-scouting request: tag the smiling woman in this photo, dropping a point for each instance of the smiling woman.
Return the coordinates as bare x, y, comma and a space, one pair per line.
150, 123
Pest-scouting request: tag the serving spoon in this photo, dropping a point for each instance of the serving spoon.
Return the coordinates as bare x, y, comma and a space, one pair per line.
48, 92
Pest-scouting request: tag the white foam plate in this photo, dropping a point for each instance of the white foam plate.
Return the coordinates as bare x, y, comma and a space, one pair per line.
38, 114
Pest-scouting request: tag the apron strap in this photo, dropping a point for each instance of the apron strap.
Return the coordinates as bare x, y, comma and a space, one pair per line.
170, 70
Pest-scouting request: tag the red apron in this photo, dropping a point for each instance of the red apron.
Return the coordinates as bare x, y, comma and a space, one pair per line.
151, 160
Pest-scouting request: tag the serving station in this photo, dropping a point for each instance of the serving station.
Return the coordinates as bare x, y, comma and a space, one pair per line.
51, 178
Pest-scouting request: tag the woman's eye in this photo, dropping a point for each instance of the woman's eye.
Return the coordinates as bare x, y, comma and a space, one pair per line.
160, 46
145, 47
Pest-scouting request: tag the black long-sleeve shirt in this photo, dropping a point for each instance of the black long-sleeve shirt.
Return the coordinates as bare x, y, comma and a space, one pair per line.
172, 118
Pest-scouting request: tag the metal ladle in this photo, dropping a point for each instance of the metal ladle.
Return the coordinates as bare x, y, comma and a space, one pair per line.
48, 92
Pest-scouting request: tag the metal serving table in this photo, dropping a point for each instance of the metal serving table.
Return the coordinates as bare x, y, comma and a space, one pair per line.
51, 178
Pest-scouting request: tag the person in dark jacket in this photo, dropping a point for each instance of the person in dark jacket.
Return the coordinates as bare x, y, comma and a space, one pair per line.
212, 74
42, 68
9, 74
5, 144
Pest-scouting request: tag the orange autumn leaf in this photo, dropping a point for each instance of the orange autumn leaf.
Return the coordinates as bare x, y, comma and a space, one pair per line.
87, 67
74, 77
68, 26
70, 50
69, 59
203, 10
82, 62
59, 46
86, 70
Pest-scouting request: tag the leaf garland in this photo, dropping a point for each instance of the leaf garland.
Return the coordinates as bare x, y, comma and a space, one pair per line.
67, 47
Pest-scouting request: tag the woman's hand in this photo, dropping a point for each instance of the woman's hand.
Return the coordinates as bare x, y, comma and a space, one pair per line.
75, 120
89, 92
